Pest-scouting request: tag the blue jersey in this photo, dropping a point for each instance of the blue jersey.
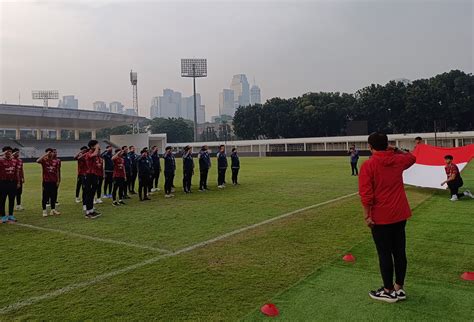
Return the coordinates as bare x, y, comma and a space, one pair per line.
204, 160
221, 160
170, 163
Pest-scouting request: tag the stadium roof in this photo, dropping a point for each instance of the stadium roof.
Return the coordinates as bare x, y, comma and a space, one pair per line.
38, 117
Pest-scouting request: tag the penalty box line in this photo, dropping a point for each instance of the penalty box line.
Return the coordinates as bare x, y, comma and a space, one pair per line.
99, 278
97, 239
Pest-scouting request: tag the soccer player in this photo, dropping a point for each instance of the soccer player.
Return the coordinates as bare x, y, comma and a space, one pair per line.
354, 158
170, 168
94, 170
156, 168
81, 174
100, 178
235, 166
386, 211
204, 166
21, 173
51, 180
120, 177
145, 168
128, 169
188, 168
418, 140
221, 167
454, 180
134, 169
9, 183
109, 171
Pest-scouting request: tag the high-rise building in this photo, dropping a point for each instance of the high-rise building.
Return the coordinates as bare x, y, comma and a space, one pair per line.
130, 111
240, 86
169, 105
255, 97
226, 102
116, 107
155, 107
69, 101
100, 106
201, 114
187, 107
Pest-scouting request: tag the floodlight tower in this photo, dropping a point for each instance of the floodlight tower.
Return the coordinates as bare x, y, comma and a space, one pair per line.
134, 81
45, 96
194, 67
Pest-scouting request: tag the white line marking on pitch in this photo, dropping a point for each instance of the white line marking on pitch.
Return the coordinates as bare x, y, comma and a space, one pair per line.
99, 278
98, 239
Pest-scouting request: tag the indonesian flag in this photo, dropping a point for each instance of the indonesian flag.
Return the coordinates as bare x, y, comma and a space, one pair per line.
428, 171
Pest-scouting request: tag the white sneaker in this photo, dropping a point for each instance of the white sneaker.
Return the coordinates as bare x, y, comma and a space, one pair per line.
401, 294
153, 190
19, 208
99, 201
84, 207
167, 196
220, 187
467, 193
54, 212
45, 213
454, 198
78, 200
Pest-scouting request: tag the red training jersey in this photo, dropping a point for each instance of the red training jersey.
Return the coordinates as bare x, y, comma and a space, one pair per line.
119, 168
94, 164
19, 165
381, 186
50, 169
82, 166
452, 169
9, 170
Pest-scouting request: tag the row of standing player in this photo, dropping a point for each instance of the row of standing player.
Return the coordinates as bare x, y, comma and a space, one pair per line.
119, 170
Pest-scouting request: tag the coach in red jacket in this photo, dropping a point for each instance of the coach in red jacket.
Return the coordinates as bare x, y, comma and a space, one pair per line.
386, 211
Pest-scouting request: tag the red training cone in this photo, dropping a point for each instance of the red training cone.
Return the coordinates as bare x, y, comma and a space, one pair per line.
349, 258
270, 309
468, 276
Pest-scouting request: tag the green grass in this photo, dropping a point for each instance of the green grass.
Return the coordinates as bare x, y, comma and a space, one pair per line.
294, 262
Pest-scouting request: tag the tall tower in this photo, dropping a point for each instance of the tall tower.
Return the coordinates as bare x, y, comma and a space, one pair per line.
134, 81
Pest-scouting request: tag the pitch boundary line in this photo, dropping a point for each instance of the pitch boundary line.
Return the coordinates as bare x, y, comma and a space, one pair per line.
93, 238
99, 278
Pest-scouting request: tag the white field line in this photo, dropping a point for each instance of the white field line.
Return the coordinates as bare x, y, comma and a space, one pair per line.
93, 238
99, 278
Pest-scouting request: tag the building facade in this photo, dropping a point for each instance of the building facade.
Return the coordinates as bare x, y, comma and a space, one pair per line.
116, 107
226, 102
240, 86
255, 95
100, 106
69, 101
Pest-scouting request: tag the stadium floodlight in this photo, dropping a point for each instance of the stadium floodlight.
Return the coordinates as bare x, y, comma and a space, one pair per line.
45, 95
194, 67
134, 82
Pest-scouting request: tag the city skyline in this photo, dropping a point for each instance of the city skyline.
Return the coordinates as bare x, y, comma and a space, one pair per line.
315, 46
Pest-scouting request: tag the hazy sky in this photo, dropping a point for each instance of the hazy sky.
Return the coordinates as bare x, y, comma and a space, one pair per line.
87, 48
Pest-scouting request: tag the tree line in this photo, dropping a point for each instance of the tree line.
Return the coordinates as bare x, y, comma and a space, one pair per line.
444, 101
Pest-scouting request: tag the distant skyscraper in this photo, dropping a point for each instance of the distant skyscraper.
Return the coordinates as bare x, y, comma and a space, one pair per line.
69, 101
116, 107
100, 106
226, 102
255, 97
169, 105
155, 107
201, 114
240, 86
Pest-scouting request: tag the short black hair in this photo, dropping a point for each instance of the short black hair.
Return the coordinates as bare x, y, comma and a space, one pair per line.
448, 157
118, 150
84, 148
108, 146
153, 147
222, 145
168, 148
378, 141
144, 150
131, 146
48, 150
233, 149
204, 147
92, 143
15, 150
124, 147
7, 148
418, 138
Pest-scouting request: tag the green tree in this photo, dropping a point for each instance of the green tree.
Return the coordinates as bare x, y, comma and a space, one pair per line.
176, 129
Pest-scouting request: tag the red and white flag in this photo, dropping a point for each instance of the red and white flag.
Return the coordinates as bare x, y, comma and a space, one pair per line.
428, 171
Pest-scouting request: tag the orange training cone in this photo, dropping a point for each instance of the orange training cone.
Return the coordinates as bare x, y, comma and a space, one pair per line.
468, 276
269, 309
349, 258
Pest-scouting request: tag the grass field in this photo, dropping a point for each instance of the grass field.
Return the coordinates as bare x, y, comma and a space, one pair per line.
183, 258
